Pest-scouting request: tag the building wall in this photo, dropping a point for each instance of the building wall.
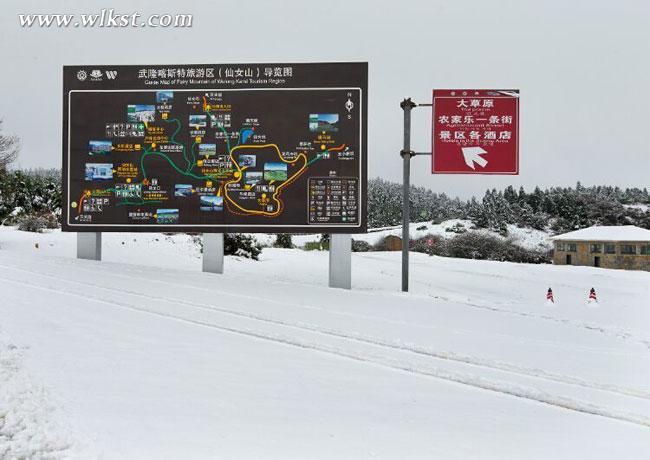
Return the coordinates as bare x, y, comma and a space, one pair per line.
584, 256
393, 243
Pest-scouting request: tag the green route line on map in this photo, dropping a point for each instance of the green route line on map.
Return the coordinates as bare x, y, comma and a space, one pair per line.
134, 203
193, 156
314, 160
171, 162
172, 139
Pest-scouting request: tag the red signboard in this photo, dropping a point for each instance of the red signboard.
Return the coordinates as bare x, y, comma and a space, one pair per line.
475, 131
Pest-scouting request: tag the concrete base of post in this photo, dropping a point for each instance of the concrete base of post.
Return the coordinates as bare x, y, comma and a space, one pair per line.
89, 245
340, 270
213, 252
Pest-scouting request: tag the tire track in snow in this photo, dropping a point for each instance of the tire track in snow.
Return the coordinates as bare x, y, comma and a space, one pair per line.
436, 354
598, 329
619, 333
497, 386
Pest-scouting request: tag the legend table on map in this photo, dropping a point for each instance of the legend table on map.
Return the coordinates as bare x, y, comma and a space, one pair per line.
333, 200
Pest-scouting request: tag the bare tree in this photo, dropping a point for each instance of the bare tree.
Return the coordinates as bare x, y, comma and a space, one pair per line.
9, 148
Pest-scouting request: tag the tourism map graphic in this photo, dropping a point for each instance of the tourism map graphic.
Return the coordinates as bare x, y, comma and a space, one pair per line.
256, 147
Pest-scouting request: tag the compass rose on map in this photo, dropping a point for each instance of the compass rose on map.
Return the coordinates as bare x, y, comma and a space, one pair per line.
349, 105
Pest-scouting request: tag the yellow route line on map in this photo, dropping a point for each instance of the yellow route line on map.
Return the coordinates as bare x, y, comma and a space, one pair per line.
277, 190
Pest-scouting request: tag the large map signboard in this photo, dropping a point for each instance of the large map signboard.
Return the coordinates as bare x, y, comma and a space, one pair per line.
228, 147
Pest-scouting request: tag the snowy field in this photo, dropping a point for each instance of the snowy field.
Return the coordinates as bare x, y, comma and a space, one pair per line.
143, 356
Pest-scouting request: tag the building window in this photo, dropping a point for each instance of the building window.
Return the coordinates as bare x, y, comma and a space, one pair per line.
628, 249
645, 250
572, 247
610, 249
595, 248
559, 246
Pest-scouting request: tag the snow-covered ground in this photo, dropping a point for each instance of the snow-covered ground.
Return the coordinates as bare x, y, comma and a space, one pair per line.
143, 356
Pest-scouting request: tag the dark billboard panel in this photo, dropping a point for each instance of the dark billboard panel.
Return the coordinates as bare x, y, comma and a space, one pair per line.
215, 147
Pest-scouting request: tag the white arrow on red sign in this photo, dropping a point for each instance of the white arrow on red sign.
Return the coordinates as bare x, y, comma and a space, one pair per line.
473, 155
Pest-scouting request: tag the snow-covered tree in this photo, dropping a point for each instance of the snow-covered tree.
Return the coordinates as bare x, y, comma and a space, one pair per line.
9, 148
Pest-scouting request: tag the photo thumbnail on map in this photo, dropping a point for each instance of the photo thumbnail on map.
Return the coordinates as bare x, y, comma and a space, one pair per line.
323, 122
252, 178
99, 171
183, 190
211, 203
99, 147
247, 161
167, 216
275, 171
164, 97
140, 113
198, 121
207, 150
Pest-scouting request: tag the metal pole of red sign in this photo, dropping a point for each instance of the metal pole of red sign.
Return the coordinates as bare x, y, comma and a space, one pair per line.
407, 105
406, 153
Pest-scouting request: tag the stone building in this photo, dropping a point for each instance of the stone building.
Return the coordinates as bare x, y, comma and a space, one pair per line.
626, 247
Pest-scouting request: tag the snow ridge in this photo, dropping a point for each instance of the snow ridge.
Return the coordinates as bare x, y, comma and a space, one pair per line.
30, 424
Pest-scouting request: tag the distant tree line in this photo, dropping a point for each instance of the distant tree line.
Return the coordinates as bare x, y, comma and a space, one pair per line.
558, 209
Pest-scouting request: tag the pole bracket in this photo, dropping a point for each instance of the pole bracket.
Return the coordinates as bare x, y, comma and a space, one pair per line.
407, 103
410, 153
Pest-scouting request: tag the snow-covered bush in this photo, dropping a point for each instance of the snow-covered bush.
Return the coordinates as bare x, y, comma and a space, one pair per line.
37, 222
234, 244
317, 246
458, 227
360, 246
283, 240
241, 245
31, 223
29, 192
478, 245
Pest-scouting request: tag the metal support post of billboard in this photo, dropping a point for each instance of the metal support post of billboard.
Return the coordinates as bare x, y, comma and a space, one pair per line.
89, 245
340, 275
406, 153
213, 252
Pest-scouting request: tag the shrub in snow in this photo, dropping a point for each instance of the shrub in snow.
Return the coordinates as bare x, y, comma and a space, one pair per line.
429, 244
458, 227
380, 245
283, 240
317, 246
29, 192
478, 245
37, 222
237, 244
360, 246
31, 224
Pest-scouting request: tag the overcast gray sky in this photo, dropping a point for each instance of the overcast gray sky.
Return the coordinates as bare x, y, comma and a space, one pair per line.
581, 66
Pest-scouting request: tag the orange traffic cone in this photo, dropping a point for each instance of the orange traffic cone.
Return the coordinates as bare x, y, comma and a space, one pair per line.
592, 296
549, 296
